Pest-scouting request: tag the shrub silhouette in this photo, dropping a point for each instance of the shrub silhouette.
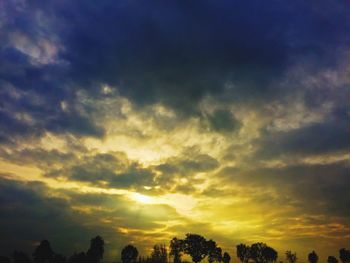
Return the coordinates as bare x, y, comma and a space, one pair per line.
332, 259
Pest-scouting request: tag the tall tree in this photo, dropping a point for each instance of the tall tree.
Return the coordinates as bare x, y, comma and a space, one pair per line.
129, 254
43, 252
243, 252
176, 249
96, 250
344, 255
313, 257
332, 259
195, 246
226, 258
291, 257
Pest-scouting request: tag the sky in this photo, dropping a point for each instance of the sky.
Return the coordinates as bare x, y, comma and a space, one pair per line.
143, 120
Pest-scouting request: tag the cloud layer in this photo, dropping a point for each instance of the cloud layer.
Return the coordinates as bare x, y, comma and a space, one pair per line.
141, 121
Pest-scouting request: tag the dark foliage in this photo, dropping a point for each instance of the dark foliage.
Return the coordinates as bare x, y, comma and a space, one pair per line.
344, 255
176, 249
332, 259
20, 257
129, 254
193, 245
313, 257
226, 258
95, 252
43, 253
291, 257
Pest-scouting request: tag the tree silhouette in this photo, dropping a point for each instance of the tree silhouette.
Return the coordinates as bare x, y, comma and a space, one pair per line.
261, 253
195, 246
243, 252
332, 259
291, 257
129, 254
344, 255
95, 252
269, 254
226, 258
43, 253
214, 252
20, 257
176, 249
312, 257
159, 254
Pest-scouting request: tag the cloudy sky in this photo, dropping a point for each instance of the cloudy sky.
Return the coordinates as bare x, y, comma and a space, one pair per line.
143, 120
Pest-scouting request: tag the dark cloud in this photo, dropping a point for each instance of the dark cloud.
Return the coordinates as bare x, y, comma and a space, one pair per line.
28, 215
174, 52
223, 121
318, 189
107, 170
330, 136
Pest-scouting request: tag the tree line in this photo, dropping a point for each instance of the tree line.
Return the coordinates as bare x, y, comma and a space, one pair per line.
193, 245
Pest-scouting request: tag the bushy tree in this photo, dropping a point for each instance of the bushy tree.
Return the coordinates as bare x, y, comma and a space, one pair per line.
195, 246
96, 250
313, 257
129, 254
291, 257
43, 252
243, 252
332, 259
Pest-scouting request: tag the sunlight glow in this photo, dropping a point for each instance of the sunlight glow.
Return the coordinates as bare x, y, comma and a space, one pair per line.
142, 198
